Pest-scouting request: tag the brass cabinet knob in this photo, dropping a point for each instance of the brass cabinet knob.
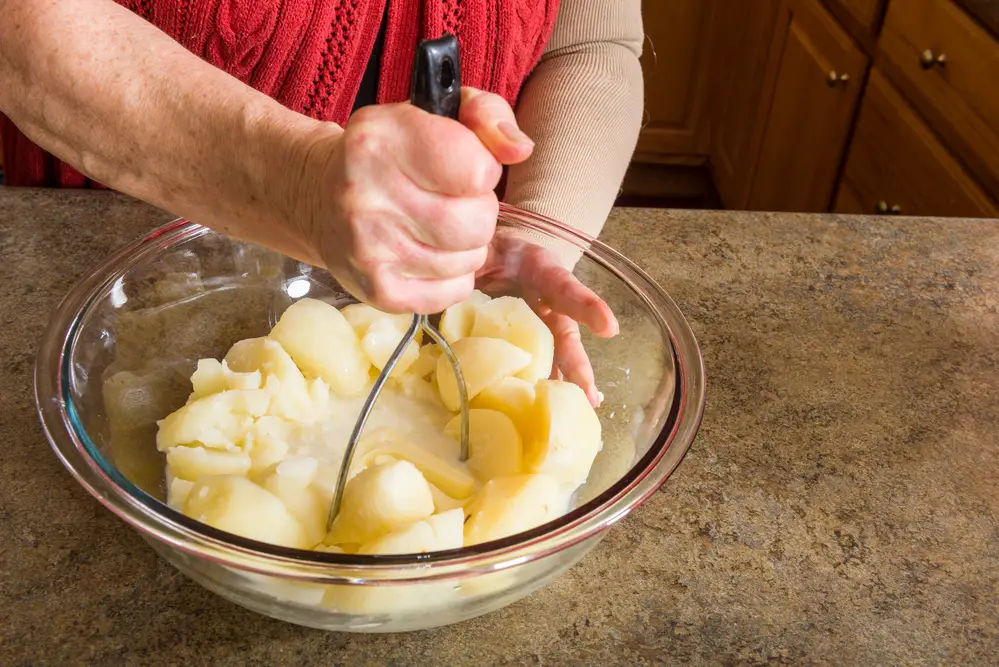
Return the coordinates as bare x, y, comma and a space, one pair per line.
929, 59
836, 78
884, 209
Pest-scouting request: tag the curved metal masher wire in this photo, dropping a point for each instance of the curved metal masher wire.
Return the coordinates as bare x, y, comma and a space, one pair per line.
420, 322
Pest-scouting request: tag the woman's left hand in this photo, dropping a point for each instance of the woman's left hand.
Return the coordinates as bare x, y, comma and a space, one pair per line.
518, 267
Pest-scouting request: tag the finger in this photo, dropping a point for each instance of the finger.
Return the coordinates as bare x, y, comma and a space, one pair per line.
420, 261
452, 223
443, 156
394, 293
570, 355
564, 293
494, 123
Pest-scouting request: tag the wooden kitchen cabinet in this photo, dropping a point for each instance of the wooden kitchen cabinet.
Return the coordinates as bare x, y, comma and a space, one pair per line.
948, 66
741, 37
819, 76
677, 44
897, 165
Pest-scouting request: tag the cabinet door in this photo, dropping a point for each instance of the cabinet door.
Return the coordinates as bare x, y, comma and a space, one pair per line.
897, 165
948, 66
820, 73
677, 43
741, 36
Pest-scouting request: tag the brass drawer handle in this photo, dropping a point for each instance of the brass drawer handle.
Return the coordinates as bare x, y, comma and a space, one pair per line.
929, 60
836, 78
884, 209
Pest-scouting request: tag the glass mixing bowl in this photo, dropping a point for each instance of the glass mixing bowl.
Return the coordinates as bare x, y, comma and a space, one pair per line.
121, 347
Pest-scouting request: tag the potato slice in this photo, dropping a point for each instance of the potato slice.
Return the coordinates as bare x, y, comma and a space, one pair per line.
360, 316
382, 337
291, 398
449, 476
510, 505
177, 491
416, 388
426, 361
495, 448
566, 433
440, 532
212, 377
267, 442
291, 481
513, 320
219, 421
381, 499
323, 344
190, 463
511, 396
444, 503
238, 506
483, 361
456, 322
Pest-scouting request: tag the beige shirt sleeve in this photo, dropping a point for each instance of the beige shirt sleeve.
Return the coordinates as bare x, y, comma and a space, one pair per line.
583, 107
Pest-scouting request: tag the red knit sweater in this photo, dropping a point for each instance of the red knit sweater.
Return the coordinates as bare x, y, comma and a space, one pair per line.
311, 55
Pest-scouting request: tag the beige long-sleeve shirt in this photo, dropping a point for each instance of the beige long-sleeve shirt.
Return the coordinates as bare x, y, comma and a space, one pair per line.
583, 106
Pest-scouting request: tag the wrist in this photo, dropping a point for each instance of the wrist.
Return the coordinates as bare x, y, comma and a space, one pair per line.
291, 152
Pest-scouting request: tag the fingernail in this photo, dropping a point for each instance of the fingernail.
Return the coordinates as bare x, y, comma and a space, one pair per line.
513, 133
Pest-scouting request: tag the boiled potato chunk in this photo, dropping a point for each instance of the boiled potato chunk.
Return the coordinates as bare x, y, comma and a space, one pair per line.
494, 445
264, 355
381, 339
294, 487
360, 316
381, 499
213, 377
323, 344
456, 322
440, 532
426, 361
268, 442
190, 463
511, 396
443, 502
417, 388
219, 421
237, 505
448, 476
177, 491
291, 397
513, 320
483, 361
510, 505
566, 433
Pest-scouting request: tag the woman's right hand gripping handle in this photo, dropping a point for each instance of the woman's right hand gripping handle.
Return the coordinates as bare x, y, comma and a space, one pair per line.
401, 207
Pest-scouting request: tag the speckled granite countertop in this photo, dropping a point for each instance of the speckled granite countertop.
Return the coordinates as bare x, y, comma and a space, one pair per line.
840, 505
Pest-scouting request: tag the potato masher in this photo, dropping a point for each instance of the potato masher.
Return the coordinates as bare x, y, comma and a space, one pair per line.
436, 89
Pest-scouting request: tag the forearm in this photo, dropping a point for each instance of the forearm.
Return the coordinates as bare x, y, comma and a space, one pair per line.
583, 106
117, 98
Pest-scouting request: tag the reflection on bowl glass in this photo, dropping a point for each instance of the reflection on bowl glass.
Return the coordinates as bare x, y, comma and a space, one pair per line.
121, 348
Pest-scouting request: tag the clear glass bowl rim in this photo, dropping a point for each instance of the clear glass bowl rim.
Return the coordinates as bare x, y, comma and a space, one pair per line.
157, 521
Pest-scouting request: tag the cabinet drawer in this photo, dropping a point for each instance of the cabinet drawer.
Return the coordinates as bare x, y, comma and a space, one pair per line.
896, 159
948, 66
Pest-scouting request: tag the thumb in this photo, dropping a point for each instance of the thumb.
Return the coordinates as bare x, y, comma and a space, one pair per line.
494, 123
